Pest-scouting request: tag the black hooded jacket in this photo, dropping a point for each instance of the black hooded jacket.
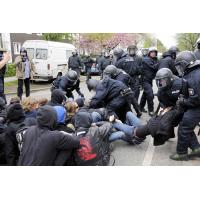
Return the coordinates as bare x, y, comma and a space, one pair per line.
57, 98
42, 144
15, 120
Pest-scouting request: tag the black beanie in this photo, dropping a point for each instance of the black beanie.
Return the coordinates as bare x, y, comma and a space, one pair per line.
15, 112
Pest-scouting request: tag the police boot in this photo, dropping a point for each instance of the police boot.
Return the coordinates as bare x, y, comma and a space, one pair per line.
179, 157
143, 110
195, 153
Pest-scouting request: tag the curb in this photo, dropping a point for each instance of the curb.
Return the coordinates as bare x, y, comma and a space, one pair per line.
33, 90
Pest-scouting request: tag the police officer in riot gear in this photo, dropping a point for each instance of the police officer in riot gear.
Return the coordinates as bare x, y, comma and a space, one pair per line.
197, 52
4, 58
111, 94
145, 52
149, 69
170, 87
118, 74
75, 63
88, 62
104, 62
131, 64
68, 83
188, 67
168, 59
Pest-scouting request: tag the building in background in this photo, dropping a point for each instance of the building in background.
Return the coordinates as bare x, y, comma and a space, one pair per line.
14, 41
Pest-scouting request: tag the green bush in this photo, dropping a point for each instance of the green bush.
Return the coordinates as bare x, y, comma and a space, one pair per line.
11, 70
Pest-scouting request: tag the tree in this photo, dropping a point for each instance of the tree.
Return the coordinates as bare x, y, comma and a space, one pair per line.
160, 46
62, 37
187, 41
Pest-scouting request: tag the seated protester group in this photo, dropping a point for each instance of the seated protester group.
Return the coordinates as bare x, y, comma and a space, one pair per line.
42, 143
30, 106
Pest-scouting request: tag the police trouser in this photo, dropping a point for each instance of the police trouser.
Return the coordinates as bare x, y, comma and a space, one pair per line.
147, 95
88, 72
26, 82
2, 88
135, 86
186, 136
133, 101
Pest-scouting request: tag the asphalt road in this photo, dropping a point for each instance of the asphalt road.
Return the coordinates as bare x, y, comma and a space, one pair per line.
144, 154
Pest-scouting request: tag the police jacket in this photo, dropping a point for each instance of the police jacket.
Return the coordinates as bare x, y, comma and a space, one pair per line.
123, 77
131, 65
192, 77
149, 69
106, 91
74, 62
103, 63
197, 54
169, 95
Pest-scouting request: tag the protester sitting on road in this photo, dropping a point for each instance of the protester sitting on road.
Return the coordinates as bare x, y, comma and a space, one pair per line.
15, 120
72, 109
42, 144
30, 105
15, 100
57, 98
94, 145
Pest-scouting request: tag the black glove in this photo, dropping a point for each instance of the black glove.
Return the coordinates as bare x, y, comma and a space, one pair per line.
180, 103
81, 94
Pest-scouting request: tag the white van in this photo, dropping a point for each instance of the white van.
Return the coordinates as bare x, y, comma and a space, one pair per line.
48, 57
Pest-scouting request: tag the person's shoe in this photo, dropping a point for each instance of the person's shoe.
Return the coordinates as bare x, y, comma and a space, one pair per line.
179, 157
151, 114
143, 110
195, 153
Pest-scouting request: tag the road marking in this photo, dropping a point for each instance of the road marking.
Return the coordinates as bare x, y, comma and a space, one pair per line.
149, 154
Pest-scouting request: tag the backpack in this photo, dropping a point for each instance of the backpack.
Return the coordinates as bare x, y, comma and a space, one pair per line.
93, 150
20, 136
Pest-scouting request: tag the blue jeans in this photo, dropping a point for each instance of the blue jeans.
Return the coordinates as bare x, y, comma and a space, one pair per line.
125, 129
96, 117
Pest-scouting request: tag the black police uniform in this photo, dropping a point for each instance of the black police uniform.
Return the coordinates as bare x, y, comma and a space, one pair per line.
168, 62
103, 63
88, 62
112, 94
132, 66
126, 79
64, 84
186, 136
149, 69
75, 64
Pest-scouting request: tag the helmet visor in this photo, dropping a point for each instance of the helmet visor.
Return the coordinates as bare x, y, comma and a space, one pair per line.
162, 83
180, 69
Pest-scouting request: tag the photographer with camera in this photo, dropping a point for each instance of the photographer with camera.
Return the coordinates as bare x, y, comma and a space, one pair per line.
24, 72
4, 58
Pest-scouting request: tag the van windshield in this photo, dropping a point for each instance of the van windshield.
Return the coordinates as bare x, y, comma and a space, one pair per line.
30, 52
41, 54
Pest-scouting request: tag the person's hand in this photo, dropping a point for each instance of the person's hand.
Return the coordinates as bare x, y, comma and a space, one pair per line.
111, 118
6, 56
180, 103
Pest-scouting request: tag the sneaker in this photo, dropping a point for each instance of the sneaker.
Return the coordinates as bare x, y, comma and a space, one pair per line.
179, 157
151, 114
195, 153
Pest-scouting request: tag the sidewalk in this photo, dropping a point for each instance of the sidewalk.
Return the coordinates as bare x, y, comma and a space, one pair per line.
10, 79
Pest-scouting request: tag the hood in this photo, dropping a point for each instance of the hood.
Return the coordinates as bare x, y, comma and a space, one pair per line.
47, 117
83, 119
80, 101
58, 96
61, 114
15, 112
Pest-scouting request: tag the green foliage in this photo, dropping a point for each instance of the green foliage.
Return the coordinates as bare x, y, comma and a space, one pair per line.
160, 46
11, 70
58, 37
187, 41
